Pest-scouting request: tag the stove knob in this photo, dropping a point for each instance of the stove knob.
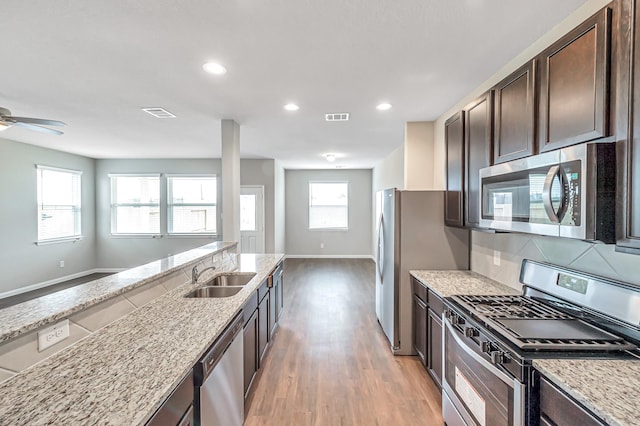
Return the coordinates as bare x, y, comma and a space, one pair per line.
497, 357
471, 332
485, 347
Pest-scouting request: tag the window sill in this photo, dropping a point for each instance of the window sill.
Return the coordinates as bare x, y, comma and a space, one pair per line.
58, 240
192, 235
329, 229
155, 236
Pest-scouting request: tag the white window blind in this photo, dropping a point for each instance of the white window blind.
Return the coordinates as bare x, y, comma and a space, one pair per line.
135, 204
191, 204
328, 205
59, 203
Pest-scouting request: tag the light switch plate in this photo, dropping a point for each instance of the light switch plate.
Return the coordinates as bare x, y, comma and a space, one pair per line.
496, 257
52, 335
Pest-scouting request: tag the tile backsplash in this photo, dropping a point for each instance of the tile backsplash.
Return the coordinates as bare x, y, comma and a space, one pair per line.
598, 259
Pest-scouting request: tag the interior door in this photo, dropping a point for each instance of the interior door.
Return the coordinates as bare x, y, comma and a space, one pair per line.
252, 219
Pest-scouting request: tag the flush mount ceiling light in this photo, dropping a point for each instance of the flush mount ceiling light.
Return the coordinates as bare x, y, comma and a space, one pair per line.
291, 107
383, 106
158, 112
330, 157
214, 68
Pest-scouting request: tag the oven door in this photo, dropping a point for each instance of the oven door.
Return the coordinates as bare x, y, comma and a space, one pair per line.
476, 392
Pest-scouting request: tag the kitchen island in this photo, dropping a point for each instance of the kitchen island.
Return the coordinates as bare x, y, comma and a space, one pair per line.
122, 373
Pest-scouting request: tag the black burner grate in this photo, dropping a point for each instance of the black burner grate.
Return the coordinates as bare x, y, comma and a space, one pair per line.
496, 307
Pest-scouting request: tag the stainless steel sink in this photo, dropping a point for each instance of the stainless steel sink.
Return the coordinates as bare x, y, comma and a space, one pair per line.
214, 291
230, 280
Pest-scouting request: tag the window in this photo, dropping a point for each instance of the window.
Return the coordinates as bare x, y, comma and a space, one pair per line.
191, 204
328, 205
59, 205
135, 204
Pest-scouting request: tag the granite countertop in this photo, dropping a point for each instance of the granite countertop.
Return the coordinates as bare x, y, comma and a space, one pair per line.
609, 388
122, 373
449, 283
30, 315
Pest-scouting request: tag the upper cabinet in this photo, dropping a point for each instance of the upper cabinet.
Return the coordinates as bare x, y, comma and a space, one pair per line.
628, 127
574, 85
514, 116
454, 146
478, 134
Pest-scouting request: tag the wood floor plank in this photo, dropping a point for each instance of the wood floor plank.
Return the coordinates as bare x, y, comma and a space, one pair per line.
330, 363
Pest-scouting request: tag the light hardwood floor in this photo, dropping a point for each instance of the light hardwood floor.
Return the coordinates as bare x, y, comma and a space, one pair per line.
330, 363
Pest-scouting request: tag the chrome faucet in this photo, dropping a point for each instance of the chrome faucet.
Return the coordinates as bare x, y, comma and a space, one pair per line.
195, 274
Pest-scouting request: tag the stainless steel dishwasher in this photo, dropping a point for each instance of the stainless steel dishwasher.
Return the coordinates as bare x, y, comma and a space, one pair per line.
219, 383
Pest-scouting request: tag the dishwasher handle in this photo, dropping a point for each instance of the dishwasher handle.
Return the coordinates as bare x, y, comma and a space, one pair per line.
213, 355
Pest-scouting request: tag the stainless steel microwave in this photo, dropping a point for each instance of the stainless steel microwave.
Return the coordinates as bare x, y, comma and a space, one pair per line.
568, 192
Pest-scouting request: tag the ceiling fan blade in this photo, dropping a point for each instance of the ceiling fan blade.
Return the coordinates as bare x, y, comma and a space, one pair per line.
38, 121
37, 128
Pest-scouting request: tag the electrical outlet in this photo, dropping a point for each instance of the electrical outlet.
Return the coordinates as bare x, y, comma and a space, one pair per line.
321, 245
52, 335
496, 257
61, 263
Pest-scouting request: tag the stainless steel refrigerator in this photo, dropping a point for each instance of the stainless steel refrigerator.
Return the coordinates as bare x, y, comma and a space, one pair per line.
411, 235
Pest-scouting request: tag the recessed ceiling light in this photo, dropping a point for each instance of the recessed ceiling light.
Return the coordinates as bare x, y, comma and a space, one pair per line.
214, 68
330, 158
383, 106
291, 107
159, 112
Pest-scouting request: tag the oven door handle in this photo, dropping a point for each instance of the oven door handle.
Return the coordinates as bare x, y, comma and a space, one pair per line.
512, 382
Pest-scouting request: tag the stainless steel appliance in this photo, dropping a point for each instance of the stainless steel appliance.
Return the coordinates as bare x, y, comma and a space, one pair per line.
569, 192
219, 383
490, 341
177, 410
411, 235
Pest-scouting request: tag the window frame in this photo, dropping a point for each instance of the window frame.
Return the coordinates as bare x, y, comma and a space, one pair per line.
170, 205
114, 206
76, 208
309, 205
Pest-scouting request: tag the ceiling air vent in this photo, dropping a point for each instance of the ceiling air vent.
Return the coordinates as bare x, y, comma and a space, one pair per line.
158, 112
337, 116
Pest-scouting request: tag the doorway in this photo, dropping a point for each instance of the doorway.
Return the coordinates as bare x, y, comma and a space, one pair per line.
251, 219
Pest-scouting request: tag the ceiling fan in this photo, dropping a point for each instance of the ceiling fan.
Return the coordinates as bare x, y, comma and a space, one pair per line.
7, 120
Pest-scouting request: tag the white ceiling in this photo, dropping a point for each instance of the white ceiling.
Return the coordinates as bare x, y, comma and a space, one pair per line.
95, 64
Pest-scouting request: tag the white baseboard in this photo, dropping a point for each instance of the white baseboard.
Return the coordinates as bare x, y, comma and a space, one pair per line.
58, 280
328, 256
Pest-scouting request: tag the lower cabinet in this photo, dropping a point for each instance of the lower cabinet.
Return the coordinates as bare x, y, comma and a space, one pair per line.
263, 327
420, 315
435, 346
250, 332
427, 329
557, 408
260, 312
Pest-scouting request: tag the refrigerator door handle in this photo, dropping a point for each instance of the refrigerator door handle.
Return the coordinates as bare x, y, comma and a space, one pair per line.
380, 251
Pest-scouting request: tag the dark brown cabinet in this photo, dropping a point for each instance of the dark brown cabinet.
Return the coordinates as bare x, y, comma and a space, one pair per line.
574, 85
454, 145
434, 332
427, 329
435, 346
514, 115
557, 408
250, 334
478, 135
260, 313
263, 321
628, 128
420, 316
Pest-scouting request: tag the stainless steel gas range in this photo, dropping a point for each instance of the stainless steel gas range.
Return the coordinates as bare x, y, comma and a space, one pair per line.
490, 341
